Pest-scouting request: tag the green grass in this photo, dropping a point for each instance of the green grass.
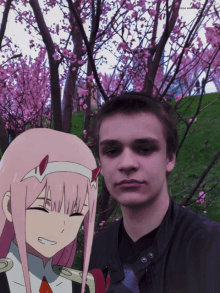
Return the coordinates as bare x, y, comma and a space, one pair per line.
189, 169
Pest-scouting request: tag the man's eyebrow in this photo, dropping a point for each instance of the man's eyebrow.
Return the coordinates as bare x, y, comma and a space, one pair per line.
111, 142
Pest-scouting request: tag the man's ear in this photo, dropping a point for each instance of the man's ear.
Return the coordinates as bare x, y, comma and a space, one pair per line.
5, 206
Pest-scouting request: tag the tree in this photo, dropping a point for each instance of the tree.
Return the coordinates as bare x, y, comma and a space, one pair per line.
24, 92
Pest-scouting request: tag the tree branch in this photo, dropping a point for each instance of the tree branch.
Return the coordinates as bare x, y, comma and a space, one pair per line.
4, 20
82, 31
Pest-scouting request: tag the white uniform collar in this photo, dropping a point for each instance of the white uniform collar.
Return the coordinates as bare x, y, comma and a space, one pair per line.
36, 272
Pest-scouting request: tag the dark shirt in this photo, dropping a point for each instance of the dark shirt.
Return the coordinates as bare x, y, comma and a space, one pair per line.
129, 252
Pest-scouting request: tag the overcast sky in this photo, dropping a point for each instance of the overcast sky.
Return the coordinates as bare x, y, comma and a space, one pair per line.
22, 38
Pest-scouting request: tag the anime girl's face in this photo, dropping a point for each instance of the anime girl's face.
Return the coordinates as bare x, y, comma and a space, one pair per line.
49, 231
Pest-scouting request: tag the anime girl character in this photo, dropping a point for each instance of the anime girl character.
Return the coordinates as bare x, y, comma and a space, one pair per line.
48, 187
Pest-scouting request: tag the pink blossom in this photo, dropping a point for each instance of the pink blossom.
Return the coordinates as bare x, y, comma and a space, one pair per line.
200, 44
176, 4
204, 212
184, 207
135, 15
74, 68
138, 88
65, 52
83, 92
122, 45
85, 106
56, 56
84, 133
179, 97
190, 120
152, 12
81, 62
81, 101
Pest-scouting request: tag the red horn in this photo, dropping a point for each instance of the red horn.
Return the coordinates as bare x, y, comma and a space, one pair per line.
95, 173
43, 164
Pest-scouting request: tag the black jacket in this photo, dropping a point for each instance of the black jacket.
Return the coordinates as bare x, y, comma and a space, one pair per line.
184, 256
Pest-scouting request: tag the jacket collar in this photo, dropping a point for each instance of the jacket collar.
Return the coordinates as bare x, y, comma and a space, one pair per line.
162, 238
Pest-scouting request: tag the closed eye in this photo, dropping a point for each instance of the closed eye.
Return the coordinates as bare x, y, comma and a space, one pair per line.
76, 214
40, 209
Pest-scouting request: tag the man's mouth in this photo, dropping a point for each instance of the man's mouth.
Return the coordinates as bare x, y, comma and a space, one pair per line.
45, 241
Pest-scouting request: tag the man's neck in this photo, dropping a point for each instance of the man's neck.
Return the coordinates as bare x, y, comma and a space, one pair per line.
141, 221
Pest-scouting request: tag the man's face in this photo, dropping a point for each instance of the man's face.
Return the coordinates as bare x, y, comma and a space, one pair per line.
48, 231
126, 154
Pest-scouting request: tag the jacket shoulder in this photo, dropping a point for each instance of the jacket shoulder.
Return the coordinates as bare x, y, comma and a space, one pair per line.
5, 264
106, 232
197, 230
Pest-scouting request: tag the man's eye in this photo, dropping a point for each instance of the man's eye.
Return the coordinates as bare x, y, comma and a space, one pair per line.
145, 150
76, 214
40, 209
111, 152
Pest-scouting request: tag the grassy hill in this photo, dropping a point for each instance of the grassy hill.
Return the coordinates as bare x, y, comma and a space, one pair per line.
192, 160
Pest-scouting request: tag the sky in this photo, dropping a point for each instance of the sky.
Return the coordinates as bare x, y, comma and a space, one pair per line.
22, 38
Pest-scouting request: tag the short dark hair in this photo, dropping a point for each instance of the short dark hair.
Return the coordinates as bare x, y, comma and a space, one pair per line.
132, 103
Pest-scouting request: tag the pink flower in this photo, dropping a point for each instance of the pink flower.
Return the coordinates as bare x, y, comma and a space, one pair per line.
83, 92
176, 4
190, 120
74, 68
81, 101
122, 45
152, 12
138, 88
56, 56
85, 106
135, 15
81, 62
84, 133
65, 52
202, 194
184, 207
179, 97
204, 212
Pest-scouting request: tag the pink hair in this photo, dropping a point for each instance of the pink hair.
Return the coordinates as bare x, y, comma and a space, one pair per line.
25, 153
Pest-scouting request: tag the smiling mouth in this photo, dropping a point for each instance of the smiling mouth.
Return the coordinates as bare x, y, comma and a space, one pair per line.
45, 241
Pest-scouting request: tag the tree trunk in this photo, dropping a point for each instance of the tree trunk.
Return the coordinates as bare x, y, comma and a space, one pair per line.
67, 104
3, 137
4, 21
54, 72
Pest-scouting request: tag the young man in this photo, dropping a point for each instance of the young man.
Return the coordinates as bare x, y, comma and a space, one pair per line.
157, 246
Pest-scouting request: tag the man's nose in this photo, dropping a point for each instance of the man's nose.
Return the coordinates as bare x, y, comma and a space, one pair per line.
128, 160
